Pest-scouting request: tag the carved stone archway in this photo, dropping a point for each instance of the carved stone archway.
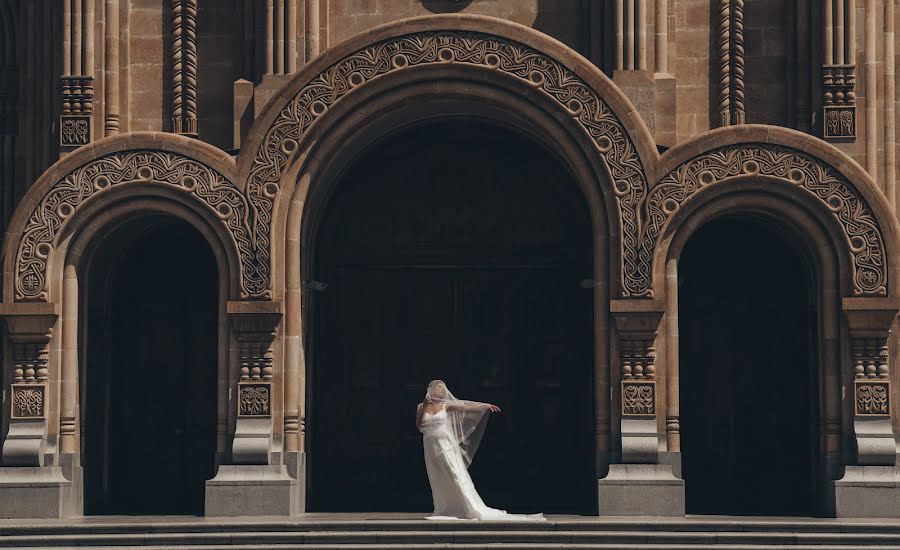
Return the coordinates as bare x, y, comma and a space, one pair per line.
488, 47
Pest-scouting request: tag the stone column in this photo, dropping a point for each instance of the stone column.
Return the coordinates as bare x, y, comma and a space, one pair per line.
111, 69
871, 486
184, 67
257, 482
839, 71
731, 62
639, 485
77, 80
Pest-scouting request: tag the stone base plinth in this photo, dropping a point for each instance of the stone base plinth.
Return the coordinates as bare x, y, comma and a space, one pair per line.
867, 492
249, 490
641, 490
35, 492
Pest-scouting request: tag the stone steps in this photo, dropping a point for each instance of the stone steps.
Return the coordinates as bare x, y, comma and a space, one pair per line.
674, 534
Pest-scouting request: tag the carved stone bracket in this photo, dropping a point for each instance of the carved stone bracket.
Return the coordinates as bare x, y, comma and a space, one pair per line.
839, 102
254, 325
636, 323
77, 109
29, 327
870, 321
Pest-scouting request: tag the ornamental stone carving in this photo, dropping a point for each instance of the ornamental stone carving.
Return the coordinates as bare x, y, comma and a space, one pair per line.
28, 401
125, 168
863, 235
487, 52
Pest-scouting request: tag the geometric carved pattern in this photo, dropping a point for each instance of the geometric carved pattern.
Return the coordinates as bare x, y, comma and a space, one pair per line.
254, 399
28, 400
490, 53
872, 398
638, 398
863, 236
123, 168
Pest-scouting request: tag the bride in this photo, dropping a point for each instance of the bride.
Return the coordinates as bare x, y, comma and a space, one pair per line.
451, 432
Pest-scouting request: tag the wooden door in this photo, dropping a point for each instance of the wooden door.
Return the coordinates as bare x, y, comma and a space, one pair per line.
747, 416
458, 255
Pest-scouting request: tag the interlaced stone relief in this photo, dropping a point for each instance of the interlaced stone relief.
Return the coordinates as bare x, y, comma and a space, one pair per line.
476, 49
863, 236
124, 168
28, 401
872, 398
255, 400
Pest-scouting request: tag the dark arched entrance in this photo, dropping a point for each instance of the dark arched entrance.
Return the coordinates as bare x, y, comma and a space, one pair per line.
453, 250
747, 333
150, 375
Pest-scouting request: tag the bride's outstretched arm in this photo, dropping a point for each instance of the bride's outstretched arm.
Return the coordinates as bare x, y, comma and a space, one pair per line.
473, 407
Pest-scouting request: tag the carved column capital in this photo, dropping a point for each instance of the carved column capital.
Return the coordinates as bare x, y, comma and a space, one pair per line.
77, 110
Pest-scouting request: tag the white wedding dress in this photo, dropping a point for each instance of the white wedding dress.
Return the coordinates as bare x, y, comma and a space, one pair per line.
452, 490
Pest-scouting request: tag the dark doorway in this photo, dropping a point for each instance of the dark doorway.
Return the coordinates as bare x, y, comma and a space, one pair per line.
454, 250
151, 372
748, 392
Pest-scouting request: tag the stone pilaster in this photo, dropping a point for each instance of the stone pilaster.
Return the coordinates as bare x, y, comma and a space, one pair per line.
254, 325
871, 487
257, 482
29, 327
639, 485
77, 80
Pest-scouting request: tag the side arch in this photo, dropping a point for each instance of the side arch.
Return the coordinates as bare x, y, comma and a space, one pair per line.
490, 49
829, 183
189, 171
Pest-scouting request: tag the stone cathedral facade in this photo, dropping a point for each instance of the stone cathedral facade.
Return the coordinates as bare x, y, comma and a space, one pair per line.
242, 236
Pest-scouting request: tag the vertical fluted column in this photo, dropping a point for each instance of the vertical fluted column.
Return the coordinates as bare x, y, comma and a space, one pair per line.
631, 35
281, 35
77, 82
111, 72
839, 70
184, 67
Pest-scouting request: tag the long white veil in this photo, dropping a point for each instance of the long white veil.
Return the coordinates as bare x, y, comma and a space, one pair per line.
465, 419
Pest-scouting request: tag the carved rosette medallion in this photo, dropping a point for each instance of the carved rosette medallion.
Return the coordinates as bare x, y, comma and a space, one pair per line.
125, 168
872, 398
255, 399
821, 181
638, 398
486, 52
28, 401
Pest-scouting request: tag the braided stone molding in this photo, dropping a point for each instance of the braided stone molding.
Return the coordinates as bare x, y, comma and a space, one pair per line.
725, 62
863, 236
184, 67
737, 68
96, 177
486, 51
